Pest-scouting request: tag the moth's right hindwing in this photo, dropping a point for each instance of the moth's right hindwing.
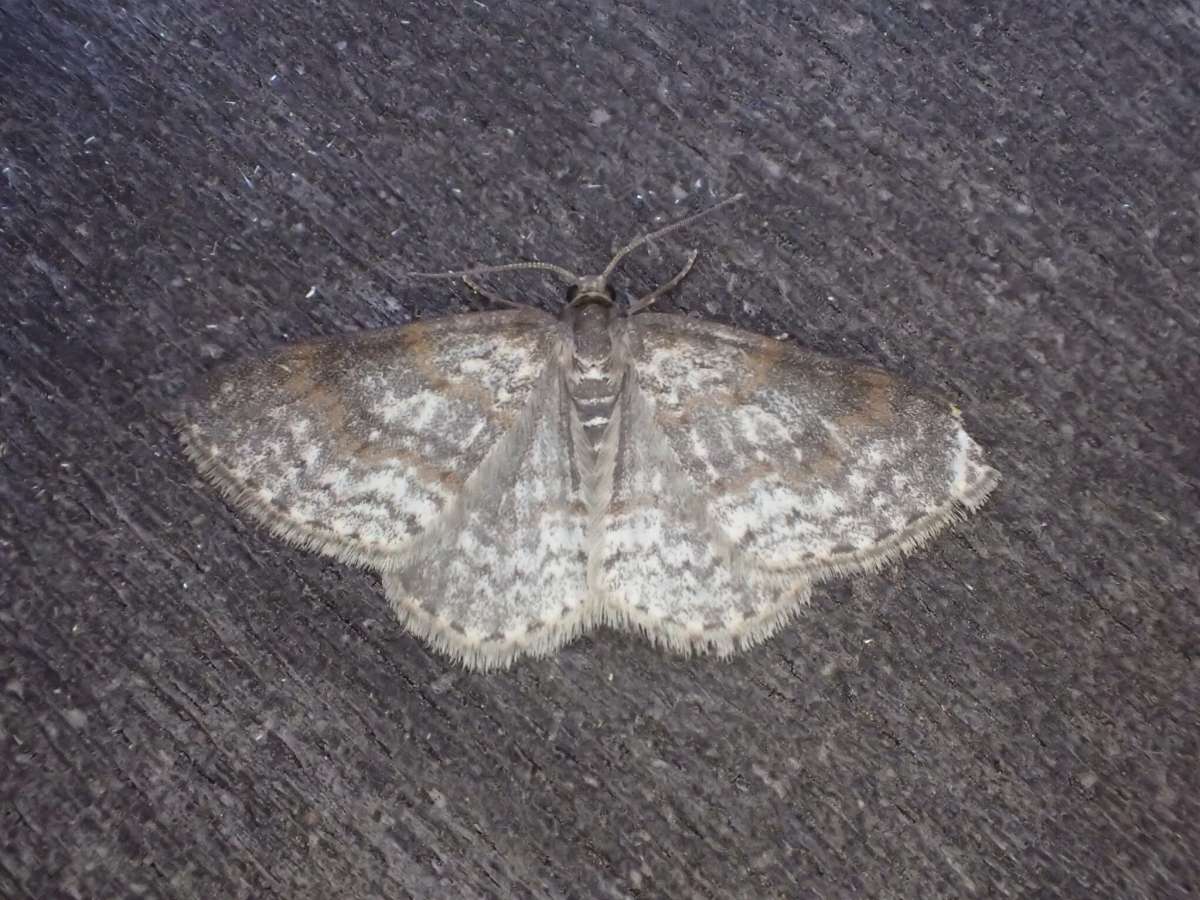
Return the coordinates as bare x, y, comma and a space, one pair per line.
664, 565
356, 445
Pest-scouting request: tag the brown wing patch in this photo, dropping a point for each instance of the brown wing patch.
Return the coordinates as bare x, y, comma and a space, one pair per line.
874, 407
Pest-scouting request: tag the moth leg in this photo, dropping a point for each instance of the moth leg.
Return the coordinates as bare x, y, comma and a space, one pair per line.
653, 296
490, 296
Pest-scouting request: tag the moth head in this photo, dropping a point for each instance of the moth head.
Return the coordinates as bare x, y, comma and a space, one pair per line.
591, 289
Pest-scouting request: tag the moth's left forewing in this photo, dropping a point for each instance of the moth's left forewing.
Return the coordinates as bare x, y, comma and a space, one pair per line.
813, 465
357, 445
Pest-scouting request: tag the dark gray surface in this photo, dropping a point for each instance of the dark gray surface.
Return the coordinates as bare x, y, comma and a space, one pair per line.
1000, 205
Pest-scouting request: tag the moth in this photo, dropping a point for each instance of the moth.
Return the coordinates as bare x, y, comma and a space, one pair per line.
517, 477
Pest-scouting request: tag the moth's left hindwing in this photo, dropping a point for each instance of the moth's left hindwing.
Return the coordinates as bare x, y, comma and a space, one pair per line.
356, 445
811, 465
506, 572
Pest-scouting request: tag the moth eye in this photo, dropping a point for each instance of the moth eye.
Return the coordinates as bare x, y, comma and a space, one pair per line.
571, 292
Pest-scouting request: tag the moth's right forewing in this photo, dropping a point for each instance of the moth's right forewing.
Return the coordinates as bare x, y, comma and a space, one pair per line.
813, 466
355, 445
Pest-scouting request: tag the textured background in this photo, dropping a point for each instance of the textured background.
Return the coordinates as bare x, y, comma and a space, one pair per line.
1002, 205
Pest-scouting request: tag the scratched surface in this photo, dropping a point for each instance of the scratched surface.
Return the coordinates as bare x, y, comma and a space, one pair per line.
1001, 207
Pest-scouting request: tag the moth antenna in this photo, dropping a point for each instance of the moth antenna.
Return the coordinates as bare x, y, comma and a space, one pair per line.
651, 298
565, 274
637, 242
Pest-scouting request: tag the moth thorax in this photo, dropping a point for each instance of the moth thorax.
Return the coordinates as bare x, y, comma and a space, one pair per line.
592, 328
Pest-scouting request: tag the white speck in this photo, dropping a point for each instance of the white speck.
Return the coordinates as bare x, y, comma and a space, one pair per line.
312, 291
599, 117
89, 140
76, 718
